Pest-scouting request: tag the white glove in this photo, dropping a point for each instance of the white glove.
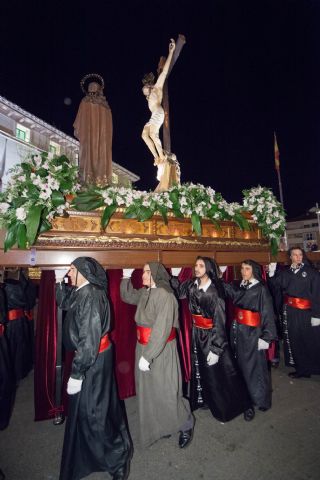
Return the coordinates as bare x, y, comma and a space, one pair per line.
262, 344
175, 271
127, 272
74, 386
272, 268
212, 358
61, 273
315, 322
144, 365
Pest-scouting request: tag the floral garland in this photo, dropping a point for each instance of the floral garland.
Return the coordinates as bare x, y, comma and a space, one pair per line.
187, 200
39, 189
268, 212
36, 193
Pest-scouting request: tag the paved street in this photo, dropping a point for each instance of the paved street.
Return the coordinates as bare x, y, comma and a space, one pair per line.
281, 444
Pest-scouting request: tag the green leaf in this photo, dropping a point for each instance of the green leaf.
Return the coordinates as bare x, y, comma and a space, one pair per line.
177, 213
196, 223
108, 212
32, 223
57, 198
21, 235
11, 237
131, 212
241, 221
87, 206
144, 213
164, 211
44, 226
274, 244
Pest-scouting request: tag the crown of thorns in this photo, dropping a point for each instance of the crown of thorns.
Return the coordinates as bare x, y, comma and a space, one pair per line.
94, 76
148, 79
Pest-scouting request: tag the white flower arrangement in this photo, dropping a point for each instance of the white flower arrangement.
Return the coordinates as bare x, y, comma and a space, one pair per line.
38, 191
35, 194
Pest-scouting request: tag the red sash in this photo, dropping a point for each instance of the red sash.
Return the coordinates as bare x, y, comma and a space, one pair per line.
296, 302
15, 313
201, 322
247, 317
143, 334
1, 329
104, 343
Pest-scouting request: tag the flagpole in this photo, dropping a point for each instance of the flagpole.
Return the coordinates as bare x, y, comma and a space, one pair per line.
277, 167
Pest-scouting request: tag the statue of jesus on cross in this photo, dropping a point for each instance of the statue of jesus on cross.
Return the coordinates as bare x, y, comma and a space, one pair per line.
158, 103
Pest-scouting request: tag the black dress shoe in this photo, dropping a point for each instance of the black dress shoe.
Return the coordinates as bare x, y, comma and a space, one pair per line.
249, 414
298, 375
122, 473
185, 438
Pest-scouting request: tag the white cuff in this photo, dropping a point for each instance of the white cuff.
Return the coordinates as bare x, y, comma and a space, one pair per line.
262, 344
127, 272
175, 271
144, 365
74, 386
212, 358
315, 322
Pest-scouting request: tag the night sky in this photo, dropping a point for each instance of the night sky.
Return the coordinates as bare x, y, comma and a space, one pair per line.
247, 69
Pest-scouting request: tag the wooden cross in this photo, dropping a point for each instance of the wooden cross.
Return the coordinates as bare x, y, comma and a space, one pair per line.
165, 99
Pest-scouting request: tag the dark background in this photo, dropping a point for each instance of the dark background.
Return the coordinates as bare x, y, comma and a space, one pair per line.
248, 69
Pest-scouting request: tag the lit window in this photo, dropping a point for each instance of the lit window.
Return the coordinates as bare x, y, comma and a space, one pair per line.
54, 148
23, 133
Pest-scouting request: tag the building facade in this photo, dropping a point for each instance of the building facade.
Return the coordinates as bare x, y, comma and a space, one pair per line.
22, 133
304, 231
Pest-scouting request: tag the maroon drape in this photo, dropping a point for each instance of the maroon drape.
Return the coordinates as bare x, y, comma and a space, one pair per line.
45, 348
185, 330
123, 333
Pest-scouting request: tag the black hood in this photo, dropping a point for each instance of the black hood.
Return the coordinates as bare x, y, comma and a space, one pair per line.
92, 271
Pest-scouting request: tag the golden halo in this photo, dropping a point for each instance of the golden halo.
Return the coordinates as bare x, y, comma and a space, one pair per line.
95, 76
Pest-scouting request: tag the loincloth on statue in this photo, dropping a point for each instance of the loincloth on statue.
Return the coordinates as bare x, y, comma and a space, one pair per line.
156, 118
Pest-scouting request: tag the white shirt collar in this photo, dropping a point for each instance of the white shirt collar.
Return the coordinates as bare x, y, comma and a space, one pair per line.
205, 286
83, 285
253, 282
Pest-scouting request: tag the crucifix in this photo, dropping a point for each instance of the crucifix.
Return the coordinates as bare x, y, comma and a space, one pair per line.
158, 103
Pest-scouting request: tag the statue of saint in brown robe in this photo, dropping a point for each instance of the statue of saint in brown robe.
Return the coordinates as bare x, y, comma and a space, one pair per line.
93, 128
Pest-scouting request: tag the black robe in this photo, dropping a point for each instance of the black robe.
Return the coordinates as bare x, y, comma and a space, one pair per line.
17, 330
301, 341
244, 339
96, 437
7, 378
220, 386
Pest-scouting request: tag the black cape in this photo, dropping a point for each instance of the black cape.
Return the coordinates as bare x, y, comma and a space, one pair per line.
220, 386
244, 339
18, 332
96, 437
7, 378
301, 341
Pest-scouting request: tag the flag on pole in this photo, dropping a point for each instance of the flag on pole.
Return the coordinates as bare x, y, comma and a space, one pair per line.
276, 153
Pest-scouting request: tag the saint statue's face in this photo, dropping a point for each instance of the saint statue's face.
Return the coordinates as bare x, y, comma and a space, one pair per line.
246, 272
200, 269
146, 90
147, 279
296, 256
94, 87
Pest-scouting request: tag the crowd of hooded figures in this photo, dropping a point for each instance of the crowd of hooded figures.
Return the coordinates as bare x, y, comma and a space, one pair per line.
230, 372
